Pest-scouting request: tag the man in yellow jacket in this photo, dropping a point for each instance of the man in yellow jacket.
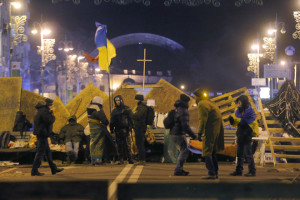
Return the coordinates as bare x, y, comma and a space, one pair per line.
211, 132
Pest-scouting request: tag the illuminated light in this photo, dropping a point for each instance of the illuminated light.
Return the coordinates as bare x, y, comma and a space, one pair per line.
182, 87
34, 31
74, 56
115, 86
282, 62
66, 49
46, 31
254, 47
271, 31
205, 94
264, 46
60, 49
97, 70
264, 93
16, 5
71, 48
80, 57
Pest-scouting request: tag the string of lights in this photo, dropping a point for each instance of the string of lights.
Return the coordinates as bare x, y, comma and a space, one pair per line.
190, 3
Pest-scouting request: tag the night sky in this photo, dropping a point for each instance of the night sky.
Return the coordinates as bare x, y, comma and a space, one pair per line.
219, 38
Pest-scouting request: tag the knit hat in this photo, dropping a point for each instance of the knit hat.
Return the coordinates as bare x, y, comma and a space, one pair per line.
97, 100
49, 102
184, 98
139, 97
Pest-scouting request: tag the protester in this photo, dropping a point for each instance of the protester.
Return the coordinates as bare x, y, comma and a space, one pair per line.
43, 123
178, 131
211, 132
72, 134
121, 124
98, 129
140, 127
247, 126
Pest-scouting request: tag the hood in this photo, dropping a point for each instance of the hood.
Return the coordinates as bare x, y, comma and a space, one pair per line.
73, 117
119, 98
180, 103
41, 104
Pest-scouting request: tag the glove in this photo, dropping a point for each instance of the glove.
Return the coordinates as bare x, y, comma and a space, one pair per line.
200, 136
231, 120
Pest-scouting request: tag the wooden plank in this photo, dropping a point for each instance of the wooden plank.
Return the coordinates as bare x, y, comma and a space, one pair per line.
287, 147
228, 109
229, 94
287, 156
273, 122
288, 165
276, 130
267, 129
284, 139
220, 103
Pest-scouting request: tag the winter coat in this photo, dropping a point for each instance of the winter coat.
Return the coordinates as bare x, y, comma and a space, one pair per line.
211, 127
121, 116
181, 126
72, 132
43, 120
139, 117
96, 112
247, 117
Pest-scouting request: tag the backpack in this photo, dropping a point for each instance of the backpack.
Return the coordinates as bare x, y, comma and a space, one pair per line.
150, 115
169, 121
4, 139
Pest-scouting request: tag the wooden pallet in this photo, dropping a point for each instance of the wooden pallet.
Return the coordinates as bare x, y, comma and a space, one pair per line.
226, 103
273, 126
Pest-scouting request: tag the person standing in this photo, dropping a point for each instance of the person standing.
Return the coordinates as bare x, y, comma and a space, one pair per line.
211, 132
43, 123
247, 126
140, 127
121, 123
98, 129
178, 131
72, 134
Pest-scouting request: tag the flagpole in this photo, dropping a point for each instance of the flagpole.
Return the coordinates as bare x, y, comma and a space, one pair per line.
109, 100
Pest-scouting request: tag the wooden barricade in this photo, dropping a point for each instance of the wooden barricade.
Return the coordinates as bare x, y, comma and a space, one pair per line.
226, 103
272, 127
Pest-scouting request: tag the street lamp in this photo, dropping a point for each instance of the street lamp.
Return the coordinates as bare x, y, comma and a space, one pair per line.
46, 50
66, 46
182, 87
16, 5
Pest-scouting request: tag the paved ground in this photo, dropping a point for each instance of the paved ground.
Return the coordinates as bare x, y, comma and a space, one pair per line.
138, 180
151, 172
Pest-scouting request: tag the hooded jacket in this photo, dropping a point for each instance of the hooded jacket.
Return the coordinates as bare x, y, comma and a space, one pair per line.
121, 116
140, 115
43, 120
95, 111
71, 132
182, 119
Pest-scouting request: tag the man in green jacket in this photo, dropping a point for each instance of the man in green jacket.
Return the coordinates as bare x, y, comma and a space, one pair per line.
211, 131
72, 134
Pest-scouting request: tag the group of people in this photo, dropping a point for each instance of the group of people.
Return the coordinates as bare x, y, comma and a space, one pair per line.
101, 145
211, 133
123, 120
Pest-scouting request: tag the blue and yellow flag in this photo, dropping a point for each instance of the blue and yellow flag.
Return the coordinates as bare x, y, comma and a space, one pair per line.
106, 49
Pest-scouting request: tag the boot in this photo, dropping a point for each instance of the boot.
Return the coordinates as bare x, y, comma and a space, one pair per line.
57, 170
37, 174
236, 173
250, 174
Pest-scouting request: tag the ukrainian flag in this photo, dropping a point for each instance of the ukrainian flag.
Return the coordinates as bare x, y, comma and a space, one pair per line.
106, 49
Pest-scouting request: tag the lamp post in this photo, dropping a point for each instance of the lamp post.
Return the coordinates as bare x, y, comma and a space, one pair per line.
66, 47
46, 50
271, 47
16, 5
